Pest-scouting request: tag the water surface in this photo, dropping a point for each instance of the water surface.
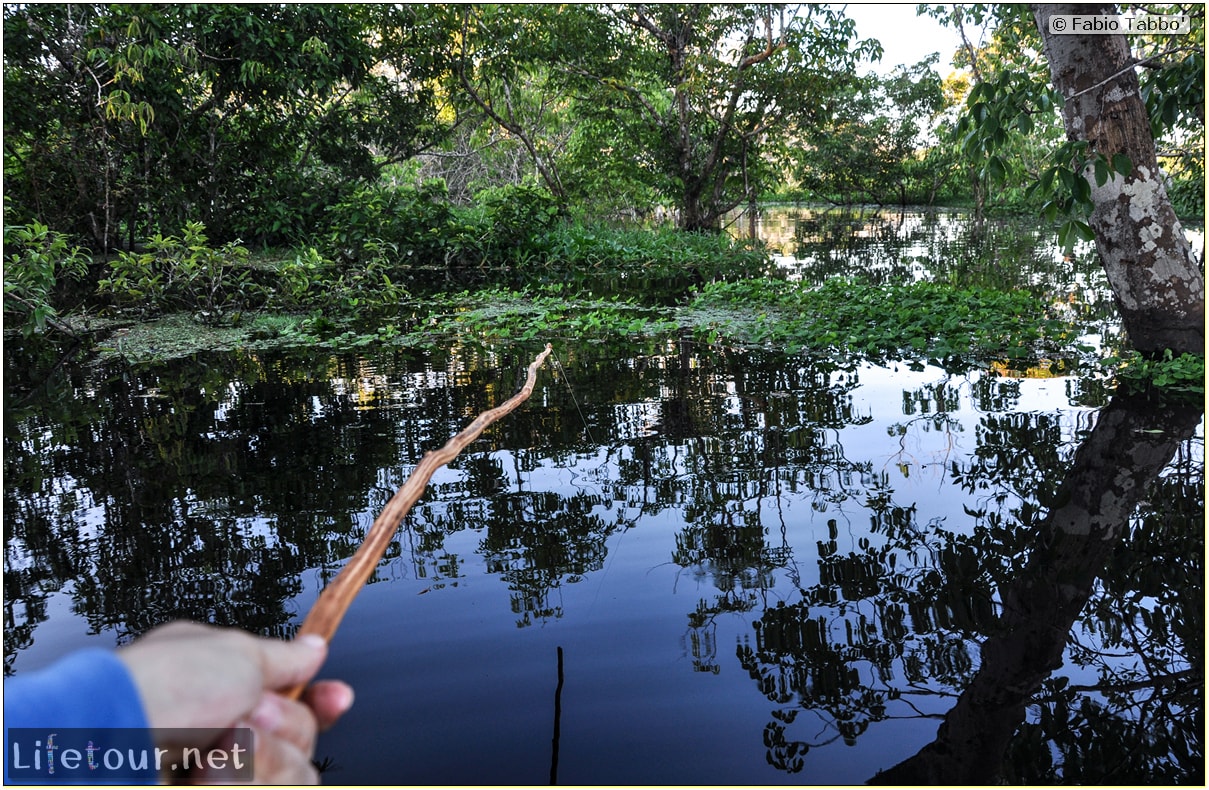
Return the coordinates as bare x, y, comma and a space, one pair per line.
759, 569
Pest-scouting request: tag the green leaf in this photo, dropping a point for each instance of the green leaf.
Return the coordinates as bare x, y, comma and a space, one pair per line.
1081, 192
995, 169
1047, 179
1065, 230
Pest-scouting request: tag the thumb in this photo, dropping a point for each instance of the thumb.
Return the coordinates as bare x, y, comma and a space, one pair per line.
287, 664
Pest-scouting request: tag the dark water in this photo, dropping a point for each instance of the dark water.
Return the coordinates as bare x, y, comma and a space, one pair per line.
757, 569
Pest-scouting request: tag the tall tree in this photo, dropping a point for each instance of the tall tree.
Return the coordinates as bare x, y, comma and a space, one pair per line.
1158, 284
736, 76
137, 118
874, 147
689, 96
1105, 181
500, 67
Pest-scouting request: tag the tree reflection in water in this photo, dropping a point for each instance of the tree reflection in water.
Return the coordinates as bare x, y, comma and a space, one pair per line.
214, 487
995, 631
1155, 704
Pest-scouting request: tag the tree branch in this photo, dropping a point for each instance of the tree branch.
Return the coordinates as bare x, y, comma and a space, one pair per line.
325, 616
648, 109
769, 50
1128, 67
1138, 685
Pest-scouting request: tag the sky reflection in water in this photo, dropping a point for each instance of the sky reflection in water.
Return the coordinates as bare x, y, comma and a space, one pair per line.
760, 570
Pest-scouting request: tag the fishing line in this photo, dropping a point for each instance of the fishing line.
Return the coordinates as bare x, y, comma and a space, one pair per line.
558, 366
567, 380
615, 550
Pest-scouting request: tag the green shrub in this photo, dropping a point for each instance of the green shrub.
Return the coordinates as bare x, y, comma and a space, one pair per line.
662, 265
39, 261
1182, 375
185, 273
515, 237
518, 219
412, 222
1188, 196
304, 281
359, 291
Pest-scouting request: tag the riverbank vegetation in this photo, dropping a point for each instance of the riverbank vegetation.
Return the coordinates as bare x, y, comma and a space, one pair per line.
359, 174
181, 296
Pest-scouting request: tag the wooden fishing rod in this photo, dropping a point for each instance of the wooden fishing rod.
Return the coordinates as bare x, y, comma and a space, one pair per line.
325, 616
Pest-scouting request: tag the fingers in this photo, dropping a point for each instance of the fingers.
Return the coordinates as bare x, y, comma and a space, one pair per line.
328, 700
286, 719
281, 663
192, 675
280, 762
283, 739
226, 671
285, 735
285, 664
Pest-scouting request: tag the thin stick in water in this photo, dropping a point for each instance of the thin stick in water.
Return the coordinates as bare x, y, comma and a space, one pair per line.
558, 715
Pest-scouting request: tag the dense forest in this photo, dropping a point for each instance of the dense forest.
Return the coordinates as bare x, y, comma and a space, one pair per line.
929, 458
149, 147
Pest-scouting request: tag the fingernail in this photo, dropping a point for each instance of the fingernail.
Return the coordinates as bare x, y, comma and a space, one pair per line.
313, 640
267, 714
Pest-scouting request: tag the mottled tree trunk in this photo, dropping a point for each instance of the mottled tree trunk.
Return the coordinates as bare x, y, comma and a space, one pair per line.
1158, 285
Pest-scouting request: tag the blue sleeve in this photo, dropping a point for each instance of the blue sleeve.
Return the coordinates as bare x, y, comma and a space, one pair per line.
85, 699
89, 688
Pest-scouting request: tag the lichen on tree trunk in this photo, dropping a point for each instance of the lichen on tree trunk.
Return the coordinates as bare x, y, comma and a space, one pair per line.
1155, 277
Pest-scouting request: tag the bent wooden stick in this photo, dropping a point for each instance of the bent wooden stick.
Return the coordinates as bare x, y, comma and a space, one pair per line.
328, 611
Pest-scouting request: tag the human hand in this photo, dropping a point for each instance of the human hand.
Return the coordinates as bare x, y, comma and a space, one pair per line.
191, 675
